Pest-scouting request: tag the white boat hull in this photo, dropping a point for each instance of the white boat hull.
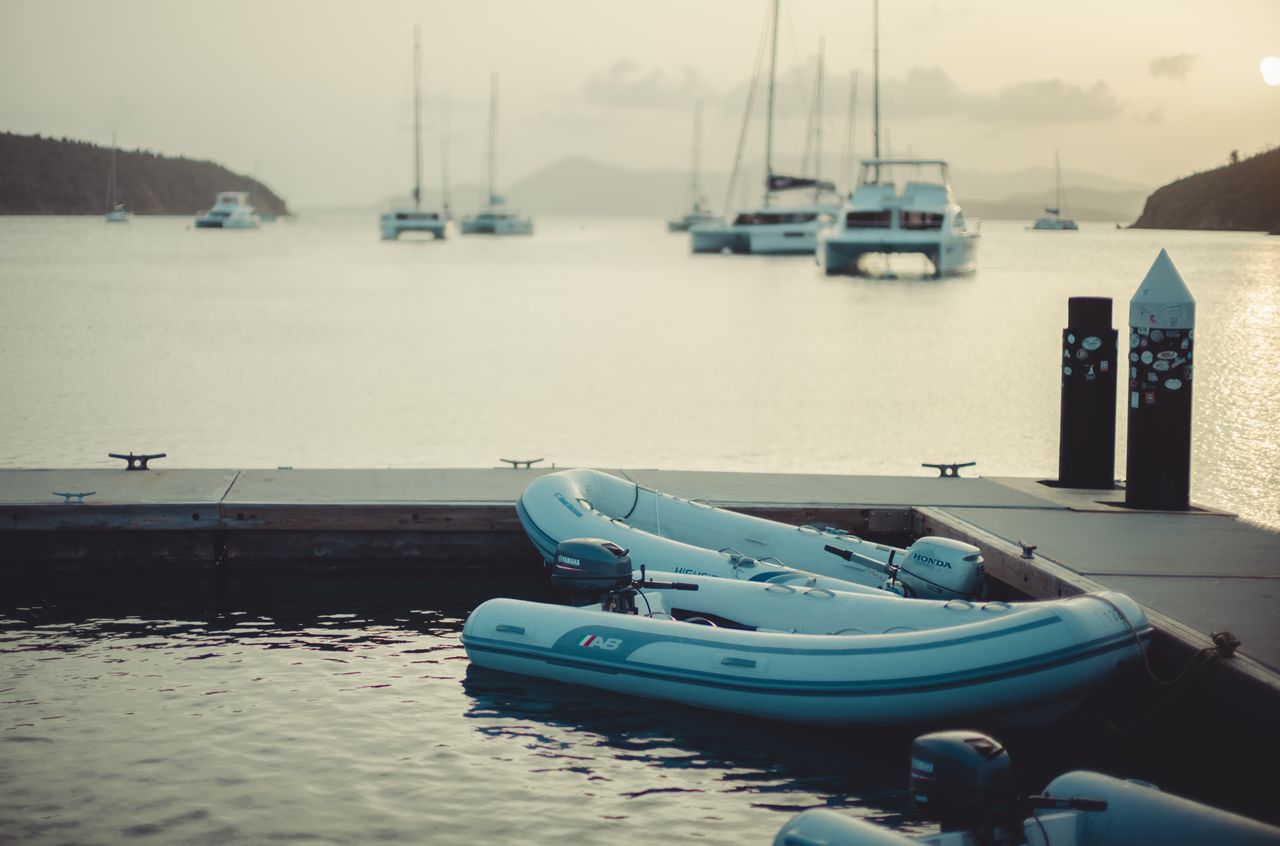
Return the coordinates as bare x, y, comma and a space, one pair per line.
510, 226
783, 239
392, 228
670, 533
1025, 663
842, 254
1135, 813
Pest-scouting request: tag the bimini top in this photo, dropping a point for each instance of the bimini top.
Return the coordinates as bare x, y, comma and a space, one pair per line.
232, 198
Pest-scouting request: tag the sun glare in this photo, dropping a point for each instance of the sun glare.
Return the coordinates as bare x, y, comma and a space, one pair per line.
1270, 68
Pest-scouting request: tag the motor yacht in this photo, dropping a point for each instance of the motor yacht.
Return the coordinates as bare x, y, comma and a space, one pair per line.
231, 210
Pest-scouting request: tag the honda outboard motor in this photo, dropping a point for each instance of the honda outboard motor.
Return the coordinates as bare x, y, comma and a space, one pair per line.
962, 779
589, 568
940, 568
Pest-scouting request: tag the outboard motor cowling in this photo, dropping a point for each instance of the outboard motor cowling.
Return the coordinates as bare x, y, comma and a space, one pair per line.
589, 568
963, 779
942, 568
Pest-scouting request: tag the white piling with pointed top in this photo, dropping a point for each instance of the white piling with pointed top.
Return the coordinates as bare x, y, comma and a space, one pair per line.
1162, 318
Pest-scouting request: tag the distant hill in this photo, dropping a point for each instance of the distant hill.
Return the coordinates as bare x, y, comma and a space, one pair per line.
1240, 196
580, 185
60, 176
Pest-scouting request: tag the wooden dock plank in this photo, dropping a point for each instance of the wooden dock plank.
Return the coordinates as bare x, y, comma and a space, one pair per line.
150, 499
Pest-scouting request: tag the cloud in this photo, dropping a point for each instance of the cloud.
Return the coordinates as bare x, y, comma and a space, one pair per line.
627, 85
1174, 67
1050, 101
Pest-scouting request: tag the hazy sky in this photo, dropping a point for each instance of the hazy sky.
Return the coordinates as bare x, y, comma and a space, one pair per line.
315, 98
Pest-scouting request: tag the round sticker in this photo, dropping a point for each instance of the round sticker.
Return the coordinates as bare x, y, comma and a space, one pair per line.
1091, 343
1071, 339
1133, 356
1066, 371
1133, 341
1157, 335
1161, 366
1173, 384
1082, 354
1147, 357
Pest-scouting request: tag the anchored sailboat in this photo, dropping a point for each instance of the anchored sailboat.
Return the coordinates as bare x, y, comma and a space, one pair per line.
770, 229
116, 212
699, 213
496, 218
416, 219
1054, 219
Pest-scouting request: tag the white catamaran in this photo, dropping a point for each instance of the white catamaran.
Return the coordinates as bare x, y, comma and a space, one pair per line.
496, 218
899, 206
416, 219
772, 229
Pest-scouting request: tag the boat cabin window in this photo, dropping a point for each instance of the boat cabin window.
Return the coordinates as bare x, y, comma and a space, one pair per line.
765, 218
869, 219
920, 220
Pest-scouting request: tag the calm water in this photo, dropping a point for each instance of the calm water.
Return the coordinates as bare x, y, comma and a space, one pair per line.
602, 342
344, 711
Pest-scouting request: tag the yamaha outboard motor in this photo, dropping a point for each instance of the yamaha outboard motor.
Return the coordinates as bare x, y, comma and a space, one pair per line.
939, 568
962, 779
589, 568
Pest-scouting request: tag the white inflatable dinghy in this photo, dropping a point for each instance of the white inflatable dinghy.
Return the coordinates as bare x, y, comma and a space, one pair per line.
808, 654
678, 535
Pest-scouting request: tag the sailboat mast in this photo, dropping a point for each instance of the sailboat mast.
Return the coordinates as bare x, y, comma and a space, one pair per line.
493, 132
694, 187
444, 156
1057, 183
111, 182
846, 173
417, 119
768, 138
817, 127
875, 59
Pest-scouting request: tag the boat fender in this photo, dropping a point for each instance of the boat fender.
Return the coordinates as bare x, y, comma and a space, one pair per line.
962, 779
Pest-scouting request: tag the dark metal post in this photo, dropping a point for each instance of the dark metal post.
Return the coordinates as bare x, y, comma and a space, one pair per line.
1162, 319
1087, 431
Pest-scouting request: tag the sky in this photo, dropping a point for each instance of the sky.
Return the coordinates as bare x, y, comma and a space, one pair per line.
315, 98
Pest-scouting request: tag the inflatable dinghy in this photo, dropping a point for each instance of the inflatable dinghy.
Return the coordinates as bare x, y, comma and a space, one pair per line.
678, 535
807, 654
962, 779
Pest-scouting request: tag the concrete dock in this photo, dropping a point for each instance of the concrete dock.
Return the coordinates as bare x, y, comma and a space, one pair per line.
1197, 572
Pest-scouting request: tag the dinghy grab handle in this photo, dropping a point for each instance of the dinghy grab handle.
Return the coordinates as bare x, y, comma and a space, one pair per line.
820, 592
963, 604
783, 588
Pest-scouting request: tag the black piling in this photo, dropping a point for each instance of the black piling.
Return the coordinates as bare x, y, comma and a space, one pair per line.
1087, 431
1162, 318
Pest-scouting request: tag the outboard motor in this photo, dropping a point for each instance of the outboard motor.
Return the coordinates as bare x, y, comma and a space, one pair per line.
962, 779
594, 570
939, 568
589, 568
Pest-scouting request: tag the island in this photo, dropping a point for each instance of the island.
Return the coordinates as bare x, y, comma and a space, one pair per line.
40, 175
1242, 195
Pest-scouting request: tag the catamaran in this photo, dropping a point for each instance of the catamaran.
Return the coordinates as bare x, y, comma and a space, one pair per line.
772, 229
1054, 219
899, 206
496, 218
415, 219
